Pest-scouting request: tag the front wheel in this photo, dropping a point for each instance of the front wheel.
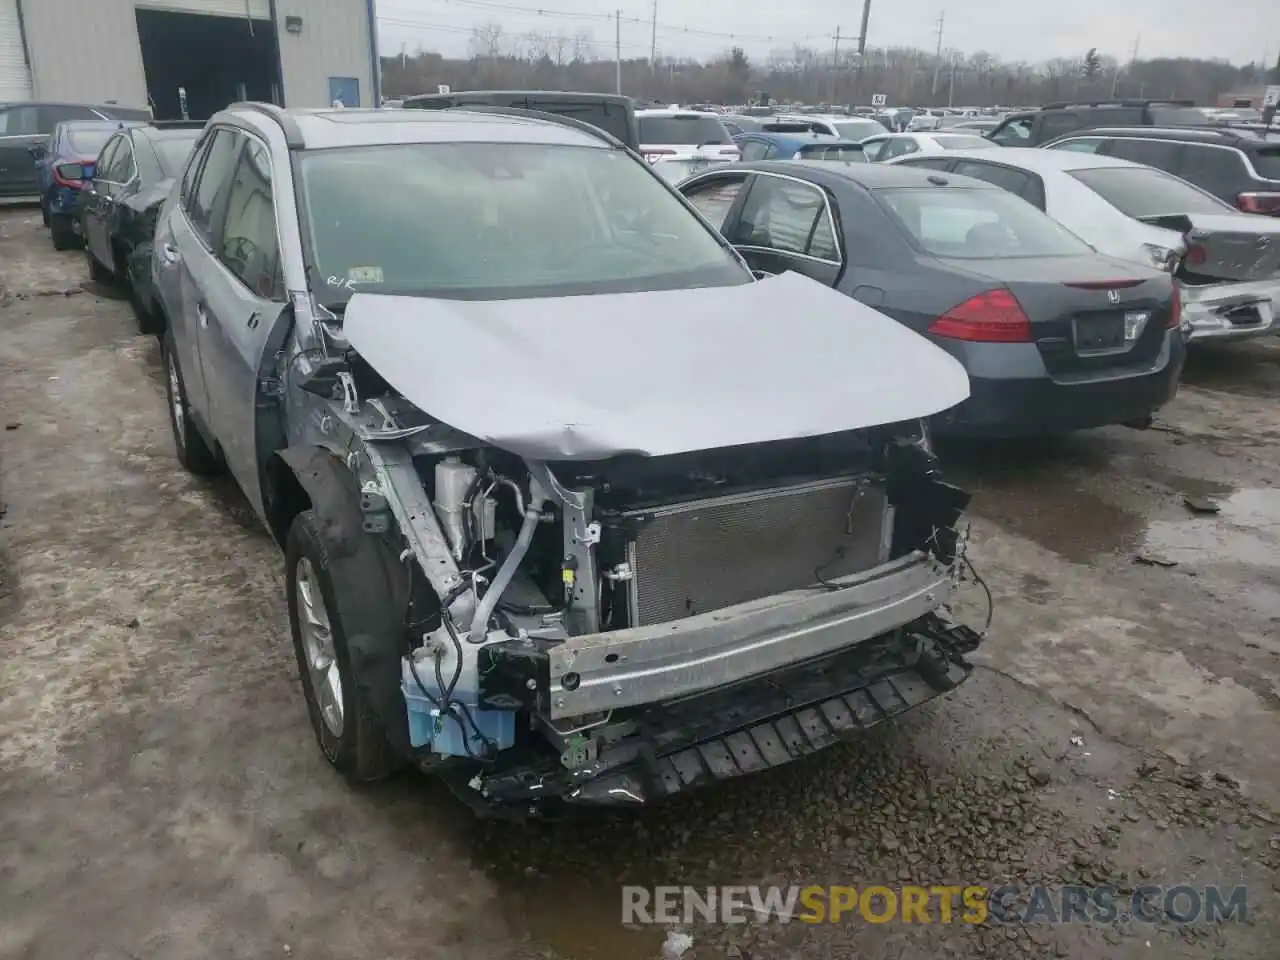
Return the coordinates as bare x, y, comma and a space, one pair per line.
345, 726
194, 452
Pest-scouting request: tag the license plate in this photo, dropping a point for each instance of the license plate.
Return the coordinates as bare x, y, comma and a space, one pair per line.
1099, 334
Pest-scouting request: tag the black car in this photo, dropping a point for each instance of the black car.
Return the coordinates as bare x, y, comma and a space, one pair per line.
1055, 120
25, 127
120, 204
1054, 335
612, 113
1238, 165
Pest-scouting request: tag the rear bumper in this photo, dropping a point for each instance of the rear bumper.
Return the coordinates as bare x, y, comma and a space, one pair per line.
1230, 311
1031, 405
756, 725
652, 664
61, 201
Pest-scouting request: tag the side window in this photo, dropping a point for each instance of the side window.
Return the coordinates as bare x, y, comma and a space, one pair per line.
1033, 192
193, 168
714, 199
214, 179
733, 128
102, 169
1015, 133
1215, 169
1015, 181
19, 122
899, 147
786, 216
930, 163
1082, 145
53, 114
873, 148
772, 152
754, 150
250, 248
1161, 154
119, 168
1056, 123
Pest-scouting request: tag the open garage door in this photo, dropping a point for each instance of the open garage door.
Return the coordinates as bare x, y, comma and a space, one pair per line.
255, 9
15, 78
197, 64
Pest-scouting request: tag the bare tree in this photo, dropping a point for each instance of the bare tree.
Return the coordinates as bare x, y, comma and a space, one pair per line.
486, 41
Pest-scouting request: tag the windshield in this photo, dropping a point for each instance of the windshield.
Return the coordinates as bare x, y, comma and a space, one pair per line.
1143, 192
848, 152
979, 224
857, 129
694, 128
172, 152
88, 143
493, 221
958, 141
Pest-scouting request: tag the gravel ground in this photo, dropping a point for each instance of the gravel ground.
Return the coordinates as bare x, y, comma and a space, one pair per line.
160, 790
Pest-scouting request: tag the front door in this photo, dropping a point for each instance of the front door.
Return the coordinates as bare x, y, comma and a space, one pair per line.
19, 132
105, 190
245, 298
786, 224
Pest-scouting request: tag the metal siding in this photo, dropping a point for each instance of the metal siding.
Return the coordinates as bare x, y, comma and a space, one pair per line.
85, 52
259, 9
15, 79
336, 41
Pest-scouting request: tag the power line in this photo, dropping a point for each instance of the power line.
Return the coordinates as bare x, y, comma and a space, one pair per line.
547, 12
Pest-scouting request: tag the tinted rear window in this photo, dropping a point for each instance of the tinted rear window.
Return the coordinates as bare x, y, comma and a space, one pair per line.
858, 129
683, 128
88, 143
1267, 162
1177, 115
979, 224
950, 141
849, 153
1141, 192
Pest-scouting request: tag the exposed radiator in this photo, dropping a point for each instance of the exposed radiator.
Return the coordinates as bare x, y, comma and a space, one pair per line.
702, 555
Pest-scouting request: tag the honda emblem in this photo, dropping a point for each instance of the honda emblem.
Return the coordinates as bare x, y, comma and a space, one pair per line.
1113, 296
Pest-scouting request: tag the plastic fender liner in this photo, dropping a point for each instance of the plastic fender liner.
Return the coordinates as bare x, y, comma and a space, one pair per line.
373, 612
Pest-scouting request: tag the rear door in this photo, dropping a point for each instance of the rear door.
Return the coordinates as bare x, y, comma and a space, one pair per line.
95, 193
785, 223
1218, 170
1164, 155
244, 296
19, 132
109, 187
1051, 124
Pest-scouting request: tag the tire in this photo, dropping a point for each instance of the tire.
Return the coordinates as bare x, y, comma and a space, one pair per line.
97, 272
346, 728
44, 213
192, 449
60, 232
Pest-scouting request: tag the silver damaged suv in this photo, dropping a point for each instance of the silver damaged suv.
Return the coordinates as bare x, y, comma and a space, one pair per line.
574, 508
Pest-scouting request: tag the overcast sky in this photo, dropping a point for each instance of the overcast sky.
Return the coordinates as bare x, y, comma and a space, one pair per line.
1237, 30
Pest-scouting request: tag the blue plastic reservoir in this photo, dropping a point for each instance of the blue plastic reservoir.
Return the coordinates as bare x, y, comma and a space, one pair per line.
451, 735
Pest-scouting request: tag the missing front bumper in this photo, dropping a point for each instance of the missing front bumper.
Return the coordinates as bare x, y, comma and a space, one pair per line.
749, 727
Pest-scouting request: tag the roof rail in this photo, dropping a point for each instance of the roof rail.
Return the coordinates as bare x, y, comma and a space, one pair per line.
292, 132
580, 125
1064, 104
178, 124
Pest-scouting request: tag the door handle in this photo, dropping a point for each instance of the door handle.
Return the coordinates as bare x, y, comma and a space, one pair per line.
202, 314
253, 320
168, 253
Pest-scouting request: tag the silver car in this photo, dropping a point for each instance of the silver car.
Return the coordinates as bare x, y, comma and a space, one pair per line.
573, 508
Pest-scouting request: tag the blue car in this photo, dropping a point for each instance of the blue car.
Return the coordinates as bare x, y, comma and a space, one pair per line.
799, 145
63, 166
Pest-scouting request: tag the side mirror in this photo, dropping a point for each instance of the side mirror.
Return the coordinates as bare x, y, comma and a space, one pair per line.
37, 150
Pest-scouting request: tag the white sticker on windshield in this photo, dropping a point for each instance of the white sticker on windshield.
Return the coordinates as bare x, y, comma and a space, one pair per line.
364, 275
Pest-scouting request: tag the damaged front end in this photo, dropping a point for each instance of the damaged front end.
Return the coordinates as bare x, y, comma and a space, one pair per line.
598, 609
622, 630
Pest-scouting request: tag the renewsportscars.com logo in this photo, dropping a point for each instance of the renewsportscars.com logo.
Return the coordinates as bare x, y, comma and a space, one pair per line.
933, 904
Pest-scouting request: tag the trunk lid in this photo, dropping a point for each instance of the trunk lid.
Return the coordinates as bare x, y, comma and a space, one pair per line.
1087, 313
1225, 247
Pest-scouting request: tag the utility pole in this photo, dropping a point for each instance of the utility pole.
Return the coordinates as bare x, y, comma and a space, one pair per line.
951, 89
835, 64
937, 58
653, 38
1133, 58
617, 48
862, 49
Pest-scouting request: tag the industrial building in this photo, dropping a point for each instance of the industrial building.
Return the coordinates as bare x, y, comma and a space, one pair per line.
188, 58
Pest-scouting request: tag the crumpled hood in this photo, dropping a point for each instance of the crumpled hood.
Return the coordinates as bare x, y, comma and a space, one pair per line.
654, 373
